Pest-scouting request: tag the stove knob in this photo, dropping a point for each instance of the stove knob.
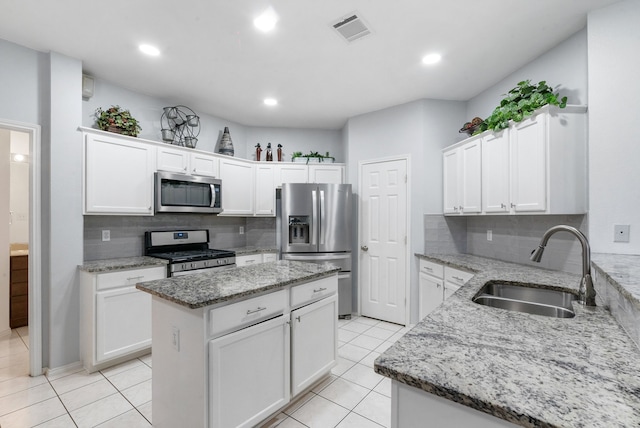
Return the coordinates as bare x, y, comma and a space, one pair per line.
219, 261
193, 265
206, 263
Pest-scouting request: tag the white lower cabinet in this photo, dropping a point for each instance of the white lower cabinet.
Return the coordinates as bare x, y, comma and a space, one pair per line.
436, 284
314, 342
249, 374
115, 316
252, 259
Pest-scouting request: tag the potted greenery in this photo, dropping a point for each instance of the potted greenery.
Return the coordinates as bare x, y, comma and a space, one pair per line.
312, 157
520, 103
118, 120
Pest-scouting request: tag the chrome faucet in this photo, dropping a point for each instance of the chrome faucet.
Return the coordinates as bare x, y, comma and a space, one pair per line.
587, 292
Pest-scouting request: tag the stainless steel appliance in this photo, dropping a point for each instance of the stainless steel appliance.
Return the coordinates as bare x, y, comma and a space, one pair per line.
187, 251
181, 193
314, 225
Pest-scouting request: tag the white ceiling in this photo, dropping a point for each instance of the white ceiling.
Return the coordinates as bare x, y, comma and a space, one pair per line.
214, 61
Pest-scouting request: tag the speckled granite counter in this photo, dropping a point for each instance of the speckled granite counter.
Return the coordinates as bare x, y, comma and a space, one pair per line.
247, 251
110, 265
209, 288
531, 370
623, 270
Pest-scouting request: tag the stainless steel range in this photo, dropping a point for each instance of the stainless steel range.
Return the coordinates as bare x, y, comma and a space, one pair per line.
187, 251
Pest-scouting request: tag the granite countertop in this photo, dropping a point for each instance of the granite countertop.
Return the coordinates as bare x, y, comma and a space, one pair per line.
111, 265
623, 270
246, 251
531, 370
209, 288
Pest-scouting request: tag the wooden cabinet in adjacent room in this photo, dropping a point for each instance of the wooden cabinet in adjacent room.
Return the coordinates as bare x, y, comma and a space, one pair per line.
19, 292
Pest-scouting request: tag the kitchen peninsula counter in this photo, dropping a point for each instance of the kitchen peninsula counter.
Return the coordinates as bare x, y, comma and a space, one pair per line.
113, 265
529, 370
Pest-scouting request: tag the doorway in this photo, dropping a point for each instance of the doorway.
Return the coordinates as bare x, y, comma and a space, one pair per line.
20, 161
384, 239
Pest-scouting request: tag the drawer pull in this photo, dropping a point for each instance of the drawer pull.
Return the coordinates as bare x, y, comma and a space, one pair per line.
428, 268
249, 261
318, 290
249, 311
135, 277
457, 278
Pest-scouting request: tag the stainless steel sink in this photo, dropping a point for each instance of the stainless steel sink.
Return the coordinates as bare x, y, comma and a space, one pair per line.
527, 298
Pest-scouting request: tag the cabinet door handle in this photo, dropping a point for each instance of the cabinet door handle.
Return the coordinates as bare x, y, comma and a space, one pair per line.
438, 285
184, 169
298, 318
457, 278
318, 290
135, 277
513, 205
249, 311
503, 206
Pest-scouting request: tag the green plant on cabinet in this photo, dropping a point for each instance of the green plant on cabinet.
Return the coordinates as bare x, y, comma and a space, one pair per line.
116, 119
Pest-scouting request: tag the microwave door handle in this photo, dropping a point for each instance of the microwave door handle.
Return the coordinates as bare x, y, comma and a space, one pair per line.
213, 195
323, 218
314, 217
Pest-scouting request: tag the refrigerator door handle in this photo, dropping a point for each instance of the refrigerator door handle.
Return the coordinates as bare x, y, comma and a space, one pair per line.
323, 218
314, 217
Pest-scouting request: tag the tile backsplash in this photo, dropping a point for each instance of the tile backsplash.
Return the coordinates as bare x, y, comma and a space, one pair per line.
513, 238
127, 232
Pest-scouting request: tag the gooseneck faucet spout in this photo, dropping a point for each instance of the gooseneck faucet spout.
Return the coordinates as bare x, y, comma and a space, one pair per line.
587, 292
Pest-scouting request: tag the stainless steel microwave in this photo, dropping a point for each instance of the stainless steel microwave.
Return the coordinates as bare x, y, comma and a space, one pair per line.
181, 193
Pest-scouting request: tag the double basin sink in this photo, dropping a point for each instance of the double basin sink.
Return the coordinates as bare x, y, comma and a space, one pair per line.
527, 298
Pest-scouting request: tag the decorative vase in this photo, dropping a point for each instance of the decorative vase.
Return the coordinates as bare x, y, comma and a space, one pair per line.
269, 153
279, 153
226, 145
258, 152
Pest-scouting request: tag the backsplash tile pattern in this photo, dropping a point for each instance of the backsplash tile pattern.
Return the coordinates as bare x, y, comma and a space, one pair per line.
127, 232
261, 232
514, 237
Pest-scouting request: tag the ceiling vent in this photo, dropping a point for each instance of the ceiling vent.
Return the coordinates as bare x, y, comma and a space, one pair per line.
351, 27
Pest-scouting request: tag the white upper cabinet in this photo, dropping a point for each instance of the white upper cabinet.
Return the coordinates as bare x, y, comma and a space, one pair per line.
185, 162
291, 173
462, 178
237, 187
329, 173
265, 189
118, 176
537, 166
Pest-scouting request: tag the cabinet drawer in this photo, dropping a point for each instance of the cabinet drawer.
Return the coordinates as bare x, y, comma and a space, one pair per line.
19, 289
312, 291
250, 311
129, 277
431, 268
18, 276
269, 257
248, 260
455, 276
19, 262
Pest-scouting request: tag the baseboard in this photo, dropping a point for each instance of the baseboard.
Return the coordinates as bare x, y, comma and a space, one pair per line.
57, 371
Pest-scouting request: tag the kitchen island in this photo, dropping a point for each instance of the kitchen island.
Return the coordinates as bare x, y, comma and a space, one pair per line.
232, 347
512, 367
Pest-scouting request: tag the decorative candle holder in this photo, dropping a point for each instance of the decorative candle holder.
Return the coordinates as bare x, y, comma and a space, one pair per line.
180, 126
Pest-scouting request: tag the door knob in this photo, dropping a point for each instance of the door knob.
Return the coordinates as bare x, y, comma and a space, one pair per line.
364, 248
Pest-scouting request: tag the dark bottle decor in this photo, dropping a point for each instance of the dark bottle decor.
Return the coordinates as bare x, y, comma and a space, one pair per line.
279, 152
258, 152
226, 145
180, 126
269, 153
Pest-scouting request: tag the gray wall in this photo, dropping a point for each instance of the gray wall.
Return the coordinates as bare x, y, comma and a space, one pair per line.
295, 140
614, 149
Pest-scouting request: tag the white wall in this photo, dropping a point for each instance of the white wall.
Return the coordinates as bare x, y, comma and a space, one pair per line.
419, 129
564, 65
19, 83
614, 146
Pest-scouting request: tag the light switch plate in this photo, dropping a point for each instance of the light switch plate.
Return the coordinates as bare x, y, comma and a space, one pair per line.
489, 235
621, 232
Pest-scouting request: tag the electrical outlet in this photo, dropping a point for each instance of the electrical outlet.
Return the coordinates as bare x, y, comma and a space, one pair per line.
106, 235
175, 338
621, 232
489, 235
241, 230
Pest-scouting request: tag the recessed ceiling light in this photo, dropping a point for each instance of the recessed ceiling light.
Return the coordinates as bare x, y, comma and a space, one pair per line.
270, 101
267, 20
431, 59
149, 50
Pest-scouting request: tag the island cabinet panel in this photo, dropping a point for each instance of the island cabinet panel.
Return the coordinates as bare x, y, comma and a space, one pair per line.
249, 374
411, 407
314, 342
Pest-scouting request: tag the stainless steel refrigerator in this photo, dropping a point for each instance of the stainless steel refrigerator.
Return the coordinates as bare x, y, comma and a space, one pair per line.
314, 225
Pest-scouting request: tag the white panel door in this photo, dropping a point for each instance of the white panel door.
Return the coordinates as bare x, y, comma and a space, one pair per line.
471, 177
495, 173
265, 189
451, 182
383, 240
249, 374
172, 160
204, 165
237, 187
529, 165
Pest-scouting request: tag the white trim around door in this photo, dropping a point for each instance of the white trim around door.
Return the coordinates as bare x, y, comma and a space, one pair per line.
35, 241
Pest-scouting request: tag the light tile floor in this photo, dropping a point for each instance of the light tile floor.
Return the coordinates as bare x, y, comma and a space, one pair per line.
353, 396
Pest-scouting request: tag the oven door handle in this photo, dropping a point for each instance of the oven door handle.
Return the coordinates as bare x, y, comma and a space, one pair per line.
213, 195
